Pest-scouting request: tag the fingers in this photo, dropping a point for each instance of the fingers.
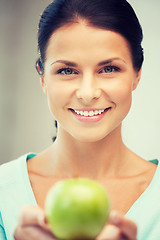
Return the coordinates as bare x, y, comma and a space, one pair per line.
110, 232
34, 233
128, 228
118, 228
32, 215
32, 224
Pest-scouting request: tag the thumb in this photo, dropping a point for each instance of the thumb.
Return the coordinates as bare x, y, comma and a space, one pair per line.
33, 215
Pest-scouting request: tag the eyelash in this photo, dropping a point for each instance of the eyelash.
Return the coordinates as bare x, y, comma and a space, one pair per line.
113, 69
67, 68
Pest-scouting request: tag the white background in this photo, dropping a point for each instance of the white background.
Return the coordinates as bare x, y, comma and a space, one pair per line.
26, 124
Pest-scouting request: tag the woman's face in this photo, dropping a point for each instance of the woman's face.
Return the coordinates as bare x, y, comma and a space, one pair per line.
88, 79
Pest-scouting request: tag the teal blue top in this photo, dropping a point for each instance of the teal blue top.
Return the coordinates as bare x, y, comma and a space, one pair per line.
16, 192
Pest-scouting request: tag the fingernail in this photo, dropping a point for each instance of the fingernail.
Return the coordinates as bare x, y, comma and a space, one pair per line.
41, 220
115, 217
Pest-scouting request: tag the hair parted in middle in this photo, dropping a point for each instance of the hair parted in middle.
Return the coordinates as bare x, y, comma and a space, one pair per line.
114, 15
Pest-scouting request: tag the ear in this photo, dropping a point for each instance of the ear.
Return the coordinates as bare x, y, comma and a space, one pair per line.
39, 67
137, 79
43, 85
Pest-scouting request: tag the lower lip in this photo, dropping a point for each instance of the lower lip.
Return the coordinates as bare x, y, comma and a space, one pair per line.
90, 119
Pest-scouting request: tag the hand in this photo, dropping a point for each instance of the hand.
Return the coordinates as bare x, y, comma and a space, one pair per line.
118, 228
32, 225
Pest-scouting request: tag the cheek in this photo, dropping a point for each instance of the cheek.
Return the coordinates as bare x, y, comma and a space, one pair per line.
120, 94
123, 101
119, 90
123, 94
58, 97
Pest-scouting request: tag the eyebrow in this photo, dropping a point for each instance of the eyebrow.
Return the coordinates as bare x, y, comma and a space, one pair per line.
72, 64
68, 63
110, 60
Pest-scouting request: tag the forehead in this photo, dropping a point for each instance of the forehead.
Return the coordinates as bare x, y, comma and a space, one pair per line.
78, 39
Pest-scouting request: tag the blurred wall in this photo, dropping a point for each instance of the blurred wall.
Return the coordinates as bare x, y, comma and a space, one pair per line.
26, 124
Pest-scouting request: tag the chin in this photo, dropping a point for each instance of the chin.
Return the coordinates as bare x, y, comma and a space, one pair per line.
91, 137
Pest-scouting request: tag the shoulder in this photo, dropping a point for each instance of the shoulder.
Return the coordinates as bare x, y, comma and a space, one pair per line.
15, 192
9, 170
145, 166
152, 166
151, 170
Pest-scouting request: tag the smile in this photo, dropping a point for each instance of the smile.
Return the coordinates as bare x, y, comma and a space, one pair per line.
89, 113
89, 116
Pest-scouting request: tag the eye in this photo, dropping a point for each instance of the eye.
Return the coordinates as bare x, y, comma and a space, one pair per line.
66, 71
109, 69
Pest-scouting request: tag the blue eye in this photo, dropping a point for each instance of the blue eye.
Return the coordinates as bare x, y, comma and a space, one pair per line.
66, 71
110, 69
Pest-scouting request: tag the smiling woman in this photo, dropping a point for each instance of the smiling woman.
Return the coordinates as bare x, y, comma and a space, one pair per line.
89, 65
88, 82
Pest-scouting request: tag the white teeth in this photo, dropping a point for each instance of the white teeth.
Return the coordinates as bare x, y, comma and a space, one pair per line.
89, 113
96, 112
85, 113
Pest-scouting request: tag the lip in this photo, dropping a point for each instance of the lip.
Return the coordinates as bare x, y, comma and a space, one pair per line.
87, 109
89, 119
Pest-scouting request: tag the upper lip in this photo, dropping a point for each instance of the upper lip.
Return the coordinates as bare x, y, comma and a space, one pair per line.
88, 109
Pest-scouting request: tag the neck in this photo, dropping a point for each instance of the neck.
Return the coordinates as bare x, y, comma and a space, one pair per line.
93, 160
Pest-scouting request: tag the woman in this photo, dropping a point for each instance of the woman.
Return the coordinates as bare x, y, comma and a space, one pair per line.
90, 62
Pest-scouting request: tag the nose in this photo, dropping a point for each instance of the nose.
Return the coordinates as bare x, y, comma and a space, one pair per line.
88, 89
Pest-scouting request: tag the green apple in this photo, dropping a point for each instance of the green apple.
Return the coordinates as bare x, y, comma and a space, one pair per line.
77, 209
